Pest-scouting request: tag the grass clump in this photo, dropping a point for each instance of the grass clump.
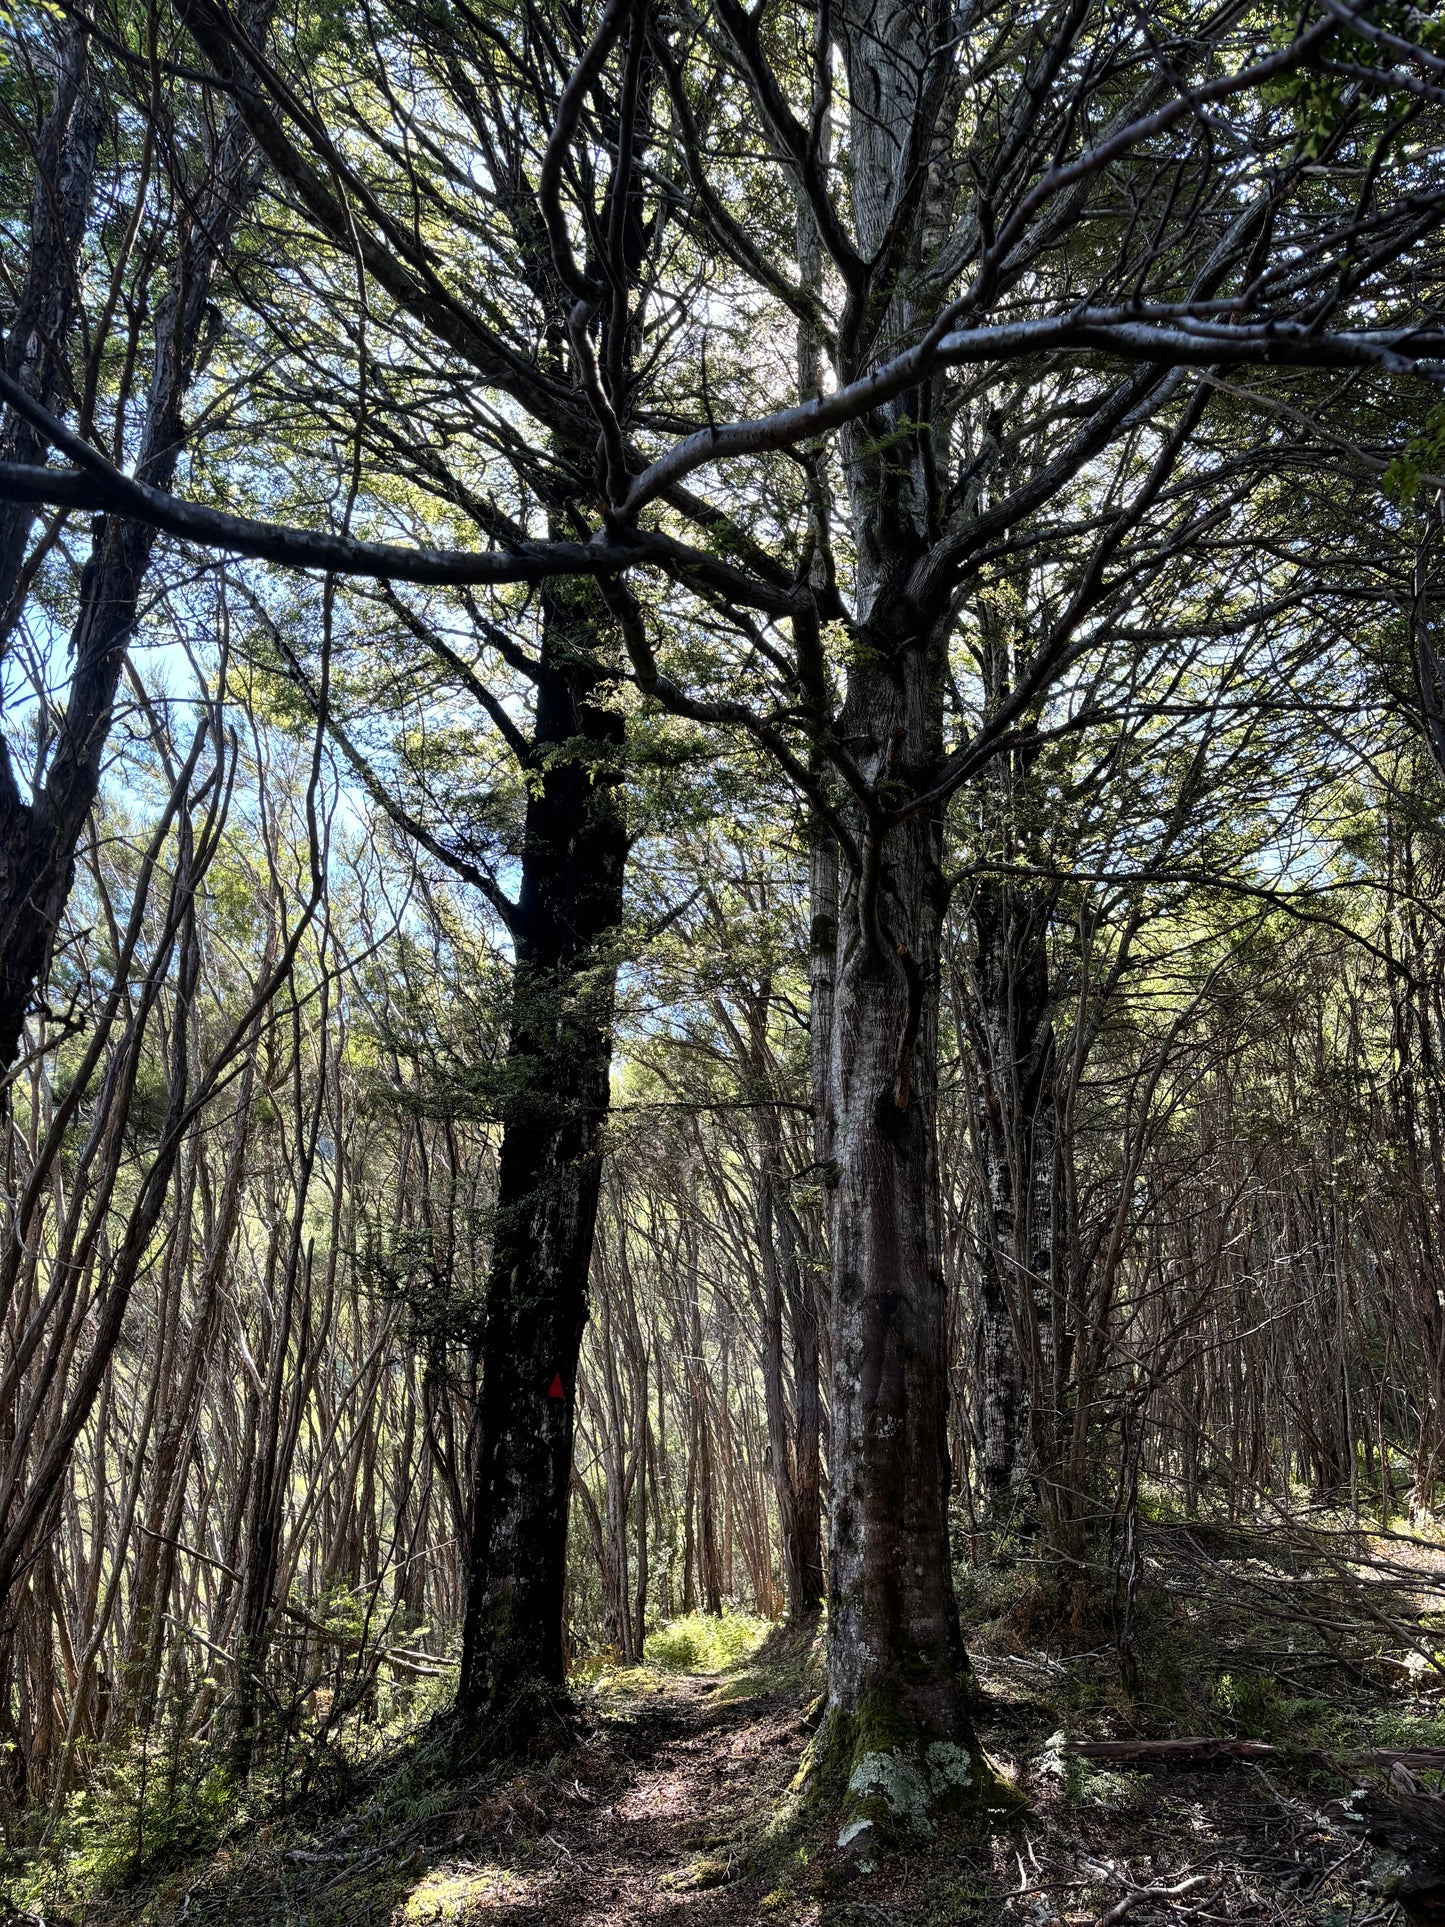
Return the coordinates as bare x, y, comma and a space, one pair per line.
704, 1642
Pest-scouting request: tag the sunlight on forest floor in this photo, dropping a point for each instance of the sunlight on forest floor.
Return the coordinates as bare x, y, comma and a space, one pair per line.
674, 1806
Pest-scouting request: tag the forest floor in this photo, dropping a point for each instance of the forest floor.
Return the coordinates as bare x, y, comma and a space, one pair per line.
674, 1804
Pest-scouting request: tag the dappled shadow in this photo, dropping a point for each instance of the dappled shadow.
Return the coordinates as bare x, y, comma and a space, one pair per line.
650, 1817
673, 1810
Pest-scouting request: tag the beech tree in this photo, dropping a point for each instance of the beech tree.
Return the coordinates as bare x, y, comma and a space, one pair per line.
541, 835
1028, 254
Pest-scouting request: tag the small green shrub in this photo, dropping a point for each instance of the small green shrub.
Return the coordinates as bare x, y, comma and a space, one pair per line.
704, 1644
1406, 1729
1084, 1783
1252, 1702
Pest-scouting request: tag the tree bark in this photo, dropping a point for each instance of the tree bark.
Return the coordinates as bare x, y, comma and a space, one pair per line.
805, 1266
36, 347
896, 1660
793, 1448
1015, 1140
898, 1735
559, 1050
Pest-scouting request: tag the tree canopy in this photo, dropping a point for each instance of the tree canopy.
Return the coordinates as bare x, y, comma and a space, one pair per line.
720, 812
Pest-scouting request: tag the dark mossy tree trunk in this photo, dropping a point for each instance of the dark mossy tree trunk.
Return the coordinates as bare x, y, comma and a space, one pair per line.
899, 1733
897, 1672
899, 1743
566, 928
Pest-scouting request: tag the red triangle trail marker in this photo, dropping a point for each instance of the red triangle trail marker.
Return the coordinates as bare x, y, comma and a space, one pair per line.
555, 1389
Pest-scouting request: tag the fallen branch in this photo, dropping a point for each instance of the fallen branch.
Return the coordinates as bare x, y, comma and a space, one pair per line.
1201, 1749
1138, 1896
1205, 1747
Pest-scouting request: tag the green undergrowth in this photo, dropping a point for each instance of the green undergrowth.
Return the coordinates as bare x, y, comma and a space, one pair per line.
1310, 1636
787, 1664
383, 1824
1409, 1729
154, 1840
352, 1827
705, 1642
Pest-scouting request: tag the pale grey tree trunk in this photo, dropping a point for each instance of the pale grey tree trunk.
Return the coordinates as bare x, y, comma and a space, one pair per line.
898, 1736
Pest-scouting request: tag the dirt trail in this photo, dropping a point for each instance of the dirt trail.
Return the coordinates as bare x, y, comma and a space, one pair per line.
667, 1809
650, 1818
674, 1785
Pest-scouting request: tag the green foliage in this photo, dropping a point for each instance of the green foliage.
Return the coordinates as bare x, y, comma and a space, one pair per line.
1394, 1728
435, 1273
1422, 455
154, 1806
1086, 1784
1251, 1701
1325, 105
1316, 104
702, 1643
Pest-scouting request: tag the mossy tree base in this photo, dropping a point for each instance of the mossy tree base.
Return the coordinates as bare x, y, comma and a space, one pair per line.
891, 1781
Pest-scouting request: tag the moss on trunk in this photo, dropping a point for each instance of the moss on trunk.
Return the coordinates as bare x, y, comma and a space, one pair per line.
891, 1780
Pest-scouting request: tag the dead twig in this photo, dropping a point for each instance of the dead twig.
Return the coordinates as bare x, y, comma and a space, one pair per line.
1141, 1896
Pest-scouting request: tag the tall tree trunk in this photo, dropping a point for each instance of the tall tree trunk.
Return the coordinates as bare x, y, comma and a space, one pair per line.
780, 1444
898, 1733
806, 1580
1015, 1137
639, 1598
785, 1282
40, 327
289, 1372
811, 1268
897, 1672
558, 1059
709, 1566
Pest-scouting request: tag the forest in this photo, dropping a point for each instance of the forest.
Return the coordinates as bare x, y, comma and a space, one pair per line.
722, 962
